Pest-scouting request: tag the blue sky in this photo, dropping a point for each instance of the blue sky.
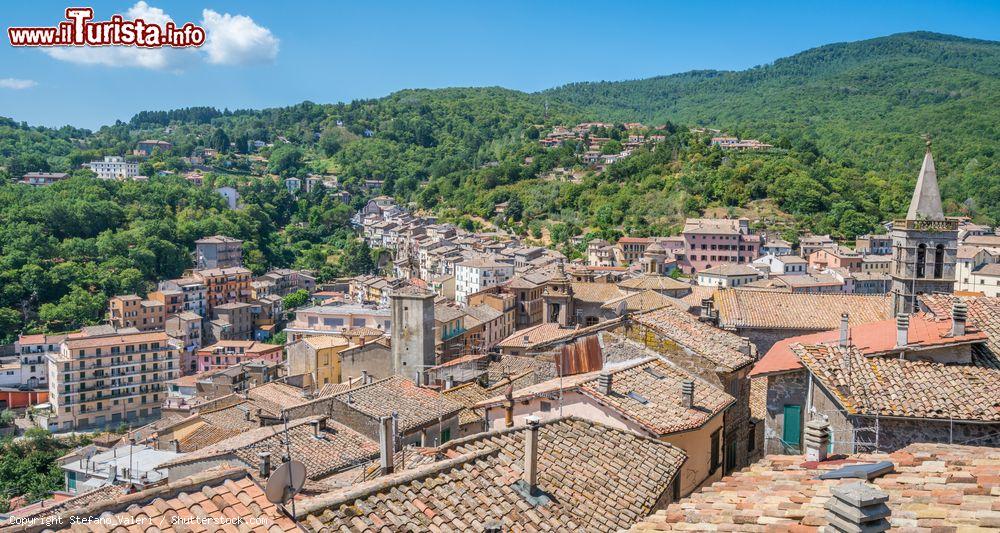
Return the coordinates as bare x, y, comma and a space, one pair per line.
338, 51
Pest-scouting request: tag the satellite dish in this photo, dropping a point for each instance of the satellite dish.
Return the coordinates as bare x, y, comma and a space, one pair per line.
285, 482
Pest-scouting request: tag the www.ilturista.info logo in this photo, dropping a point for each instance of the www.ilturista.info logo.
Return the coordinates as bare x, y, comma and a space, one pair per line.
79, 30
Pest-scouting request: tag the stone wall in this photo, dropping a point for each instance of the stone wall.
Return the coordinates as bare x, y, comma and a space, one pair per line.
373, 357
782, 389
763, 339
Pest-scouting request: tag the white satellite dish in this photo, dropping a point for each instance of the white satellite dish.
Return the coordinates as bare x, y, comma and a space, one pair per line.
285, 482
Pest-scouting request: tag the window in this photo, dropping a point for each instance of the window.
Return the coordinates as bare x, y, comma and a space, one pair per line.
716, 460
921, 259
546, 407
938, 261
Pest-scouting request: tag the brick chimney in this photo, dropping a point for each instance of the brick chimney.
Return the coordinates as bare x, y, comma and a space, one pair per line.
687, 393
959, 310
265, 464
604, 383
858, 507
531, 453
902, 330
845, 330
387, 447
817, 439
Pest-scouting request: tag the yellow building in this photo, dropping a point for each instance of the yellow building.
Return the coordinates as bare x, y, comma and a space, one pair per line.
319, 356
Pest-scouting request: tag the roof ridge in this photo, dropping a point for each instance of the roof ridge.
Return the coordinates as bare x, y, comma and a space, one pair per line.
337, 498
165, 492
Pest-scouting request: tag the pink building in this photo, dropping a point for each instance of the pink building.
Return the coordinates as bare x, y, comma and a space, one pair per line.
225, 354
710, 242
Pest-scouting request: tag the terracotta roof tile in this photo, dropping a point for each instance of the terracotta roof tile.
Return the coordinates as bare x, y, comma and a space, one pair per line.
721, 347
338, 447
803, 311
890, 386
935, 487
211, 495
598, 479
416, 406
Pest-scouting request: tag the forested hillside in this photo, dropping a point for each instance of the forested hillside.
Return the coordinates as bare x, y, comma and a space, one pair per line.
863, 103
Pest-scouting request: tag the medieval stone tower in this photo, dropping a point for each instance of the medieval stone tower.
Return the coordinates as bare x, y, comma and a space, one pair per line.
924, 245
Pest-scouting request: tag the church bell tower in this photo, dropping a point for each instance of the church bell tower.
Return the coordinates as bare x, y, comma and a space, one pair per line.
924, 244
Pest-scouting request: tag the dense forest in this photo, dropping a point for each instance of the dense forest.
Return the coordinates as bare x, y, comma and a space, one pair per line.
845, 119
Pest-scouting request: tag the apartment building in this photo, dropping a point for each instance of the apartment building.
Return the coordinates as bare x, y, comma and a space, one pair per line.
114, 167
32, 350
103, 376
193, 293
224, 354
474, 275
224, 285
132, 311
710, 242
185, 328
218, 251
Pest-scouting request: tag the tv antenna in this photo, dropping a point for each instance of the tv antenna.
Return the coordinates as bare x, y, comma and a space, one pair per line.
288, 479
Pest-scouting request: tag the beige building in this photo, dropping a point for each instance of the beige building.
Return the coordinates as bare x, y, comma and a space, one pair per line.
131, 311
102, 377
319, 356
327, 319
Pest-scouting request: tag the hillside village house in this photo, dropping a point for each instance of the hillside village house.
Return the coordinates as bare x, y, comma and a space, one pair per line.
930, 380
328, 319
711, 242
114, 167
228, 353
728, 276
41, 179
648, 396
474, 275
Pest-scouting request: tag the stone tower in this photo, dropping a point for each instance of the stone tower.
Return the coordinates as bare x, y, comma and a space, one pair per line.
412, 332
558, 299
924, 245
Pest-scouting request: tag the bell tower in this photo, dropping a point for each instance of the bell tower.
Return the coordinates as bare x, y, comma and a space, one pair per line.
924, 244
558, 299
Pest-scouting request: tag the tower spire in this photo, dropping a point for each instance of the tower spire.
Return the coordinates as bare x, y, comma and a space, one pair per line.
926, 201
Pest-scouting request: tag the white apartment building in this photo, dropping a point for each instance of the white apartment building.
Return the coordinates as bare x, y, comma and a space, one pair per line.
101, 377
114, 167
33, 351
474, 275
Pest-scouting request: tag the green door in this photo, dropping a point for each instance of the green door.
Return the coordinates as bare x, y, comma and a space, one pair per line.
793, 425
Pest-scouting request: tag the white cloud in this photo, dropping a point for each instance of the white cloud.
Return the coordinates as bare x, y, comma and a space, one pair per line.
16, 84
237, 40
125, 56
231, 40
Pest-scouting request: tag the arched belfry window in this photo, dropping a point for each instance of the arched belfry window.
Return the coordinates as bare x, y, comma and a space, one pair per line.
921, 260
938, 261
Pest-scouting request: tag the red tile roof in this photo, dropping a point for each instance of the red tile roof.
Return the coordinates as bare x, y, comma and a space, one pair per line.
935, 487
875, 338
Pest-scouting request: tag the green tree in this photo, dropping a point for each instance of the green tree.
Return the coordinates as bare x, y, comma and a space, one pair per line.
295, 299
357, 258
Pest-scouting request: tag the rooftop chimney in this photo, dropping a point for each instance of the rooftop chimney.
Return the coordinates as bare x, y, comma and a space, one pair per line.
315, 425
958, 312
449, 382
364, 377
858, 507
265, 464
176, 445
687, 393
817, 439
604, 383
902, 329
845, 330
386, 445
531, 453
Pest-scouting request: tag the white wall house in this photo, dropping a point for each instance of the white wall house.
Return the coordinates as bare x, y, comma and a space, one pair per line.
114, 167
474, 275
